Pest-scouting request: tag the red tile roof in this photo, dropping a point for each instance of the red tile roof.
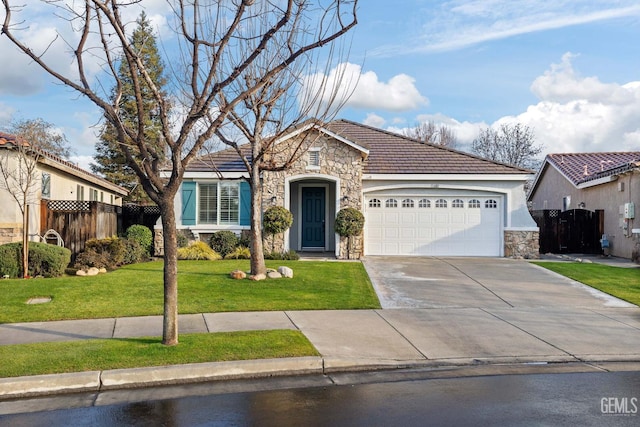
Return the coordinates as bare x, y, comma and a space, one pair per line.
582, 167
389, 153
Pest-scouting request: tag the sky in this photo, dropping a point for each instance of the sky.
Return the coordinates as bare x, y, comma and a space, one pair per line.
568, 69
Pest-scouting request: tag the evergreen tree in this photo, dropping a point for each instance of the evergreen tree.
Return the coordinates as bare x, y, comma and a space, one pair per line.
110, 160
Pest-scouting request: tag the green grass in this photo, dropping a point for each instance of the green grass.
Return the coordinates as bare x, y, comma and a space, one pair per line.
94, 355
203, 286
623, 283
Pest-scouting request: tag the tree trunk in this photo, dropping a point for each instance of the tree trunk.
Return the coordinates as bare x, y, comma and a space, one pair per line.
257, 249
170, 319
25, 240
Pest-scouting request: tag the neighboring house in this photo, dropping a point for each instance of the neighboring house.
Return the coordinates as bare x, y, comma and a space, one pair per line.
56, 179
417, 199
607, 183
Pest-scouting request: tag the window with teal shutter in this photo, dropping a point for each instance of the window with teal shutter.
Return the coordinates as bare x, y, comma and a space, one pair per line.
189, 203
245, 203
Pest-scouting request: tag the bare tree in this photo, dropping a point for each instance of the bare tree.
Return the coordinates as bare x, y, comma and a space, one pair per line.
430, 133
19, 173
283, 107
42, 135
511, 144
213, 58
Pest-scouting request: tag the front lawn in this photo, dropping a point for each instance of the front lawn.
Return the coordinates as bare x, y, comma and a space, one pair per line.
623, 283
203, 287
97, 355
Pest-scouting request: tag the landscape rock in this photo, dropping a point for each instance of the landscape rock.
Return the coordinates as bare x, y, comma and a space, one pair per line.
102, 270
81, 273
274, 274
238, 274
285, 271
93, 271
257, 277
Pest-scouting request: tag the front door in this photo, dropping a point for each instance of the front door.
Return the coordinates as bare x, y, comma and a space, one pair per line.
313, 217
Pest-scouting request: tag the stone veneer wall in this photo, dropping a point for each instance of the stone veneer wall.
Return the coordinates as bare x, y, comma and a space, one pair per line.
522, 244
337, 160
10, 233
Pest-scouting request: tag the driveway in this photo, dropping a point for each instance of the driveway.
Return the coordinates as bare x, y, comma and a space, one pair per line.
490, 283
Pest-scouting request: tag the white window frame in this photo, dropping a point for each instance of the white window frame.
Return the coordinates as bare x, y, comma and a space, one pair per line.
219, 214
313, 158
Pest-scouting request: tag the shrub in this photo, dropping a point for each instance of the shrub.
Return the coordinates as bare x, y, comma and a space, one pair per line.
223, 242
10, 259
288, 255
142, 235
349, 222
134, 252
198, 251
102, 253
182, 239
44, 260
276, 220
241, 252
47, 260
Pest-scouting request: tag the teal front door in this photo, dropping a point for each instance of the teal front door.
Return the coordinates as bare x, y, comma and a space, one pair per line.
313, 217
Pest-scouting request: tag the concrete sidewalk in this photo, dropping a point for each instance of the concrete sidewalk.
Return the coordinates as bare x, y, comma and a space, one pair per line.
521, 314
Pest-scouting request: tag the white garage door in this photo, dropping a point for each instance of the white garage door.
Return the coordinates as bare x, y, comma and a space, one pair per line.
435, 226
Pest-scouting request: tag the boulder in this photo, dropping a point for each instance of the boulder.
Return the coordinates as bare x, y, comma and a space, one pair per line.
81, 273
238, 274
274, 274
257, 277
93, 271
285, 271
102, 270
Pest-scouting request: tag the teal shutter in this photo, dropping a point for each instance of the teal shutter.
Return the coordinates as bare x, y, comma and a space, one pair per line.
245, 203
189, 203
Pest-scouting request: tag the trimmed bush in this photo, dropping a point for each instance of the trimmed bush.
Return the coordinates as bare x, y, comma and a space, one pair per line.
142, 235
349, 222
240, 252
44, 260
198, 251
11, 259
276, 219
47, 260
223, 242
134, 252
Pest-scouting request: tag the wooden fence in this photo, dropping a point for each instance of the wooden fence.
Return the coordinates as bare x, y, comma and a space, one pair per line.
79, 221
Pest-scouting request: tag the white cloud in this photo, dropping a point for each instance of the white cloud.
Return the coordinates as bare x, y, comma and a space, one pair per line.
461, 23
83, 162
364, 89
374, 120
582, 114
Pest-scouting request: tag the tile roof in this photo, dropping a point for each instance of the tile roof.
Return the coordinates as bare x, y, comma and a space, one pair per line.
389, 153
583, 167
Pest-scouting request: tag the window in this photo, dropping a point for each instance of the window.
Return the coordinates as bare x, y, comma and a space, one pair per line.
441, 203
46, 185
566, 203
374, 203
229, 203
474, 204
457, 203
93, 195
490, 204
80, 192
407, 203
219, 203
424, 203
391, 203
208, 203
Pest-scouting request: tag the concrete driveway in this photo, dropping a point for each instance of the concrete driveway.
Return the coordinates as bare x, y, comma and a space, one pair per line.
417, 282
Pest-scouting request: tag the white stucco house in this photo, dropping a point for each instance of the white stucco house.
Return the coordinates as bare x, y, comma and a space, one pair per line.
55, 180
417, 199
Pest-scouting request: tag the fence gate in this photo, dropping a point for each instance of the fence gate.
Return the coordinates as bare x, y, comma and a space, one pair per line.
572, 231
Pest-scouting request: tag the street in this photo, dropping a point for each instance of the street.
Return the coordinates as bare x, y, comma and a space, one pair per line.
579, 398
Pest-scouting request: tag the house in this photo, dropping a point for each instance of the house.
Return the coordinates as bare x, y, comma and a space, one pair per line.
56, 180
604, 183
417, 199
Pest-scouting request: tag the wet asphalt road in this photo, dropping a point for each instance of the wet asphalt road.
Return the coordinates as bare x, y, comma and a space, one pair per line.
566, 399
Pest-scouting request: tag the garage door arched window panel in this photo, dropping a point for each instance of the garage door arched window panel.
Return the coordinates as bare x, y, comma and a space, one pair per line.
375, 203
424, 203
491, 204
457, 203
474, 204
391, 203
441, 203
408, 203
